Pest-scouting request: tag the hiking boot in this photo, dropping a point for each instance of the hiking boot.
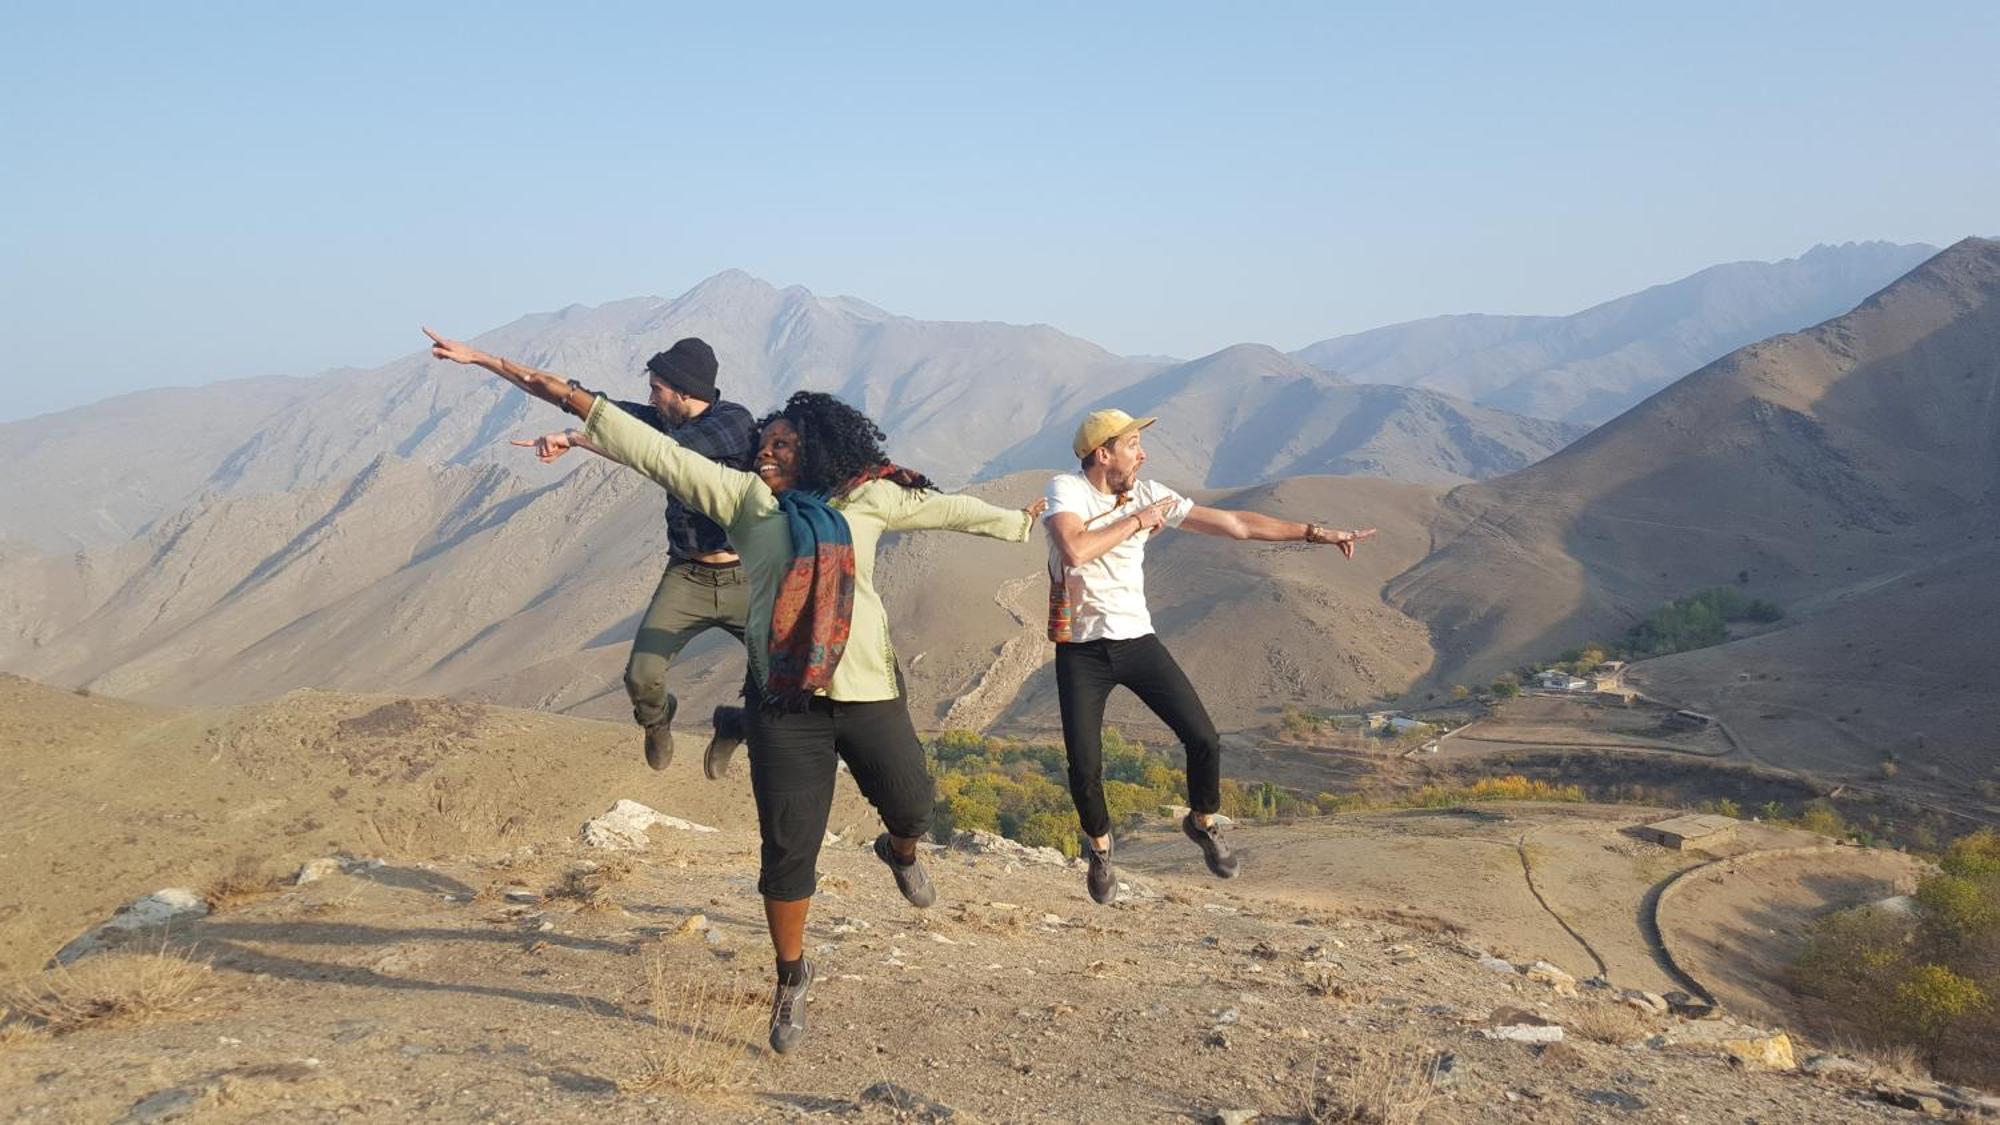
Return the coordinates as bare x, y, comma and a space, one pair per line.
911, 879
722, 744
660, 737
1221, 861
788, 1011
1101, 879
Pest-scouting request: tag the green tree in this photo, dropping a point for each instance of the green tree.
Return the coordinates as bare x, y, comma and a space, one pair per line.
1974, 856
1820, 817
1935, 1003
1960, 913
1052, 830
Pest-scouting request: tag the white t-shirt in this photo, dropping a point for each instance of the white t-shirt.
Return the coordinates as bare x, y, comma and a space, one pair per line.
1108, 594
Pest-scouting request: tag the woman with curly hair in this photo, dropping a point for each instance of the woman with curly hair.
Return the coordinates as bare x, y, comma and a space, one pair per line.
823, 683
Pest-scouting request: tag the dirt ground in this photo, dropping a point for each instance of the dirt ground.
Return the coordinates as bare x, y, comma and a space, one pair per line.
1738, 924
109, 800
425, 992
1570, 882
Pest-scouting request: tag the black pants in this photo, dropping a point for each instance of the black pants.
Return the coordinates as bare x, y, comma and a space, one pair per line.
792, 766
1085, 675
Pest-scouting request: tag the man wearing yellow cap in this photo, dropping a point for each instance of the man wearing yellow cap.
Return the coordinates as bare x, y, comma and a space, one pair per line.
1099, 520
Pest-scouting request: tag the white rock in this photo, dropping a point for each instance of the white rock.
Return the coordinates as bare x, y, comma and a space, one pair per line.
1770, 1050
986, 843
158, 908
1524, 1033
1835, 1067
623, 826
1496, 964
315, 870
1562, 982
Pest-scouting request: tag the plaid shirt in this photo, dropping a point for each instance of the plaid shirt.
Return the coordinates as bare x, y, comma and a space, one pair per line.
725, 434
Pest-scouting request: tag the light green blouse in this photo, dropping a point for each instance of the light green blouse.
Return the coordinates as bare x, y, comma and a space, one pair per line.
743, 504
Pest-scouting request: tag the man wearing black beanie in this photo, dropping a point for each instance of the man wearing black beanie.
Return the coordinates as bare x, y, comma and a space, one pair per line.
703, 587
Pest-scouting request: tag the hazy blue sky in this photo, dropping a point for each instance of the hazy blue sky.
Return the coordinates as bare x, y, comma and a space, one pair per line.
193, 192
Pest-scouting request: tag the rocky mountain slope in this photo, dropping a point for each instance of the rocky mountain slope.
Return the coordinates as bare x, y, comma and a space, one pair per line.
1850, 472
467, 582
1250, 413
1590, 366
1847, 472
936, 387
959, 399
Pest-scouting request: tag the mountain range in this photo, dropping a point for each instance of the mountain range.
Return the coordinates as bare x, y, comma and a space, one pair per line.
1590, 366
1849, 472
364, 533
962, 400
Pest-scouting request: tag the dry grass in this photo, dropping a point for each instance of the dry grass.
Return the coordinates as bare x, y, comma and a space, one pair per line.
992, 920
247, 881
1325, 981
121, 986
1615, 1024
1895, 1061
1414, 920
587, 885
1389, 1081
1560, 1057
454, 818
703, 1027
16, 1030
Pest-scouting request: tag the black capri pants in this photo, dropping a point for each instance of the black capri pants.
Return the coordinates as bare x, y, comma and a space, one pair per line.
1085, 674
792, 769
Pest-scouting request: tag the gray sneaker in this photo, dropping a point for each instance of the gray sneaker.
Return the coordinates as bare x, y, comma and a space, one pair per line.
660, 737
911, 878
788, 1011
1221, 861
729, 723
1102, 878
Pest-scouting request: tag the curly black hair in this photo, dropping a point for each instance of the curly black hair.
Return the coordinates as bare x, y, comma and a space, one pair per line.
836, 443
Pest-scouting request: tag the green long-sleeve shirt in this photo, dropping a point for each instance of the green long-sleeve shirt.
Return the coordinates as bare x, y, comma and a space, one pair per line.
744, 504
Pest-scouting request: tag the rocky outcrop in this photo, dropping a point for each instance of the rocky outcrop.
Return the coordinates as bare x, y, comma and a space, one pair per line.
157, 909
624, 825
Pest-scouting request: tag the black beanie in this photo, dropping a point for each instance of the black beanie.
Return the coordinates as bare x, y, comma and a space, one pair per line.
688, 367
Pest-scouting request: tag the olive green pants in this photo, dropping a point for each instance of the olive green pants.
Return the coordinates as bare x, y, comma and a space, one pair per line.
691, 598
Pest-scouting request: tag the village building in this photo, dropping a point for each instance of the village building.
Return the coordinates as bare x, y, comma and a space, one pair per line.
1690, 832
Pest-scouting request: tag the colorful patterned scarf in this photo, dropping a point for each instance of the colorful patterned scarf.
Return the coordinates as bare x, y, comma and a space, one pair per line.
814, 608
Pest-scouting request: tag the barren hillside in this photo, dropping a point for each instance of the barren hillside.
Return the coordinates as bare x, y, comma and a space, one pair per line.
1590, 366
1809, 468
470, 959
111, 800
1249, 413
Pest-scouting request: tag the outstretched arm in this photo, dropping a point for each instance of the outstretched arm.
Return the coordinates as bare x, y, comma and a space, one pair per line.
543, 385
1080, 544
1227, 524
924, 510
548, 447
716, 491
